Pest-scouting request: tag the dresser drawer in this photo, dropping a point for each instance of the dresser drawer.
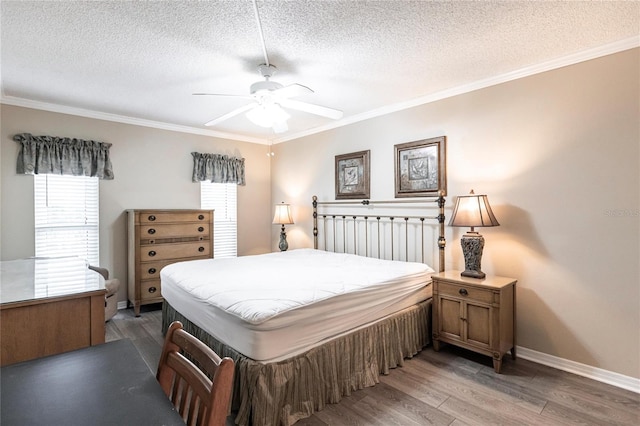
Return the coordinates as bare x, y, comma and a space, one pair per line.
151, 270
465, 292
180, 230
154, 252
153, 217
150, 289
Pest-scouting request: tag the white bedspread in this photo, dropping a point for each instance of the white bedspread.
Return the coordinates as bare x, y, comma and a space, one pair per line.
299, 297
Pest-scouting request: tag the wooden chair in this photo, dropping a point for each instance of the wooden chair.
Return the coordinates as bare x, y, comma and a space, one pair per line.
199, 400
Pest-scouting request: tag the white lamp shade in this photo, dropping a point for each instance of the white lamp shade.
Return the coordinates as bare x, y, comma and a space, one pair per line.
283, 215
473, 211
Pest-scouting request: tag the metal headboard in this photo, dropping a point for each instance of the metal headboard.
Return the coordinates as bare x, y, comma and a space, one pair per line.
339, 223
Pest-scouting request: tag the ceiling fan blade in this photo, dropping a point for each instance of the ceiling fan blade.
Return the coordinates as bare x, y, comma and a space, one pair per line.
223, 94
231, 114
311, 108
292, 91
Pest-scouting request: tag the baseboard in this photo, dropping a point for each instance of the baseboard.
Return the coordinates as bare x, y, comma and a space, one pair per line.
122, 304
615, 379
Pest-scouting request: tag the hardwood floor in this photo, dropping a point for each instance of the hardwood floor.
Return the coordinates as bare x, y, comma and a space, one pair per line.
450, 387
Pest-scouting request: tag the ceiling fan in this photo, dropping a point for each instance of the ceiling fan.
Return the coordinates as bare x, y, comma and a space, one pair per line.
269, 97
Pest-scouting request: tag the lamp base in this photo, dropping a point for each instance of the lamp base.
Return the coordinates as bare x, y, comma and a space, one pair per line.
472, 244
473, 274
283, 245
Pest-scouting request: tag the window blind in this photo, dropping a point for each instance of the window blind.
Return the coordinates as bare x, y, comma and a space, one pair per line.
66, 216
222, 197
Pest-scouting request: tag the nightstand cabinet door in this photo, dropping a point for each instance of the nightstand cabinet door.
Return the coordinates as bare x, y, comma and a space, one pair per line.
464, 321
478, 315
478, 325
451, 314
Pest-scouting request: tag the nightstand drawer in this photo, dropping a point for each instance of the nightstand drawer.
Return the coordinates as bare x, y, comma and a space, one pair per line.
465, 292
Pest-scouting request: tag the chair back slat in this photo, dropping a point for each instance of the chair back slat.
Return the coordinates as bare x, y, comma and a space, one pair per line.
196, 380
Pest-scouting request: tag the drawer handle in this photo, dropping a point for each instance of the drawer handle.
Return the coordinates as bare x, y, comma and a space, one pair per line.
151, 231
152, 270
463, 291
152, 253
201, 216
200, 249
152, 218
152, 289
200, 229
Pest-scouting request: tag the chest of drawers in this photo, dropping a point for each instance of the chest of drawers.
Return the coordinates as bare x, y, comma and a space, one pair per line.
157, 238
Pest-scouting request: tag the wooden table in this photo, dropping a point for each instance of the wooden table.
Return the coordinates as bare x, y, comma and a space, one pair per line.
107, 384
49, 306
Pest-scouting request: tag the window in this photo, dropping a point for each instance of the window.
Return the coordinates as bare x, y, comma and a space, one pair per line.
66, 216
222, 197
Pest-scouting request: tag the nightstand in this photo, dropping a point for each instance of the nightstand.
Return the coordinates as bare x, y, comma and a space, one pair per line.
475, 314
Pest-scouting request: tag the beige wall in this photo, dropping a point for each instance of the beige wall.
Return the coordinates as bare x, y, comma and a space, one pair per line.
152, 170
558, 154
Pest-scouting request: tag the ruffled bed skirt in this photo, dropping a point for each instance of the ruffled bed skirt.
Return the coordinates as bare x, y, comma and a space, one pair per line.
281, 393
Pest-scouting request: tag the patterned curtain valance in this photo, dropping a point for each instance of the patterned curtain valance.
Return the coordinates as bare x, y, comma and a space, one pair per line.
217, 168
63, 156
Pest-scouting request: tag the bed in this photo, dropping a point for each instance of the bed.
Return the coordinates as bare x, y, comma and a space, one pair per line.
307, 327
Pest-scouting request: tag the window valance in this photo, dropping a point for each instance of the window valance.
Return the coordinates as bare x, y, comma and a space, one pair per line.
63, 156
217, 168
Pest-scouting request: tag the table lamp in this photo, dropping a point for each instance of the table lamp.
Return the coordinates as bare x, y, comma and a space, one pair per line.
283, 217
474, 211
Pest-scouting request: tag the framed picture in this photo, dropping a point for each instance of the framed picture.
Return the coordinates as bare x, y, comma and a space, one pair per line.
420, 168
352, 175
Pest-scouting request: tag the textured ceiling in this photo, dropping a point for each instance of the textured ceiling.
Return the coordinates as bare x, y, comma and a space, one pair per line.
144, 60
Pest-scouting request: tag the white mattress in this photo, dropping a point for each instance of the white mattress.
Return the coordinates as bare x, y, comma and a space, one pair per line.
272, 306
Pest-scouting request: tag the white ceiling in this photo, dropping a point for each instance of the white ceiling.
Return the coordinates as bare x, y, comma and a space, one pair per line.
141, 61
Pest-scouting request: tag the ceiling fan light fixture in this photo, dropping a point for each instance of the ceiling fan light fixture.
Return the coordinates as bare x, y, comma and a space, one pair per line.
265, 86
268, 115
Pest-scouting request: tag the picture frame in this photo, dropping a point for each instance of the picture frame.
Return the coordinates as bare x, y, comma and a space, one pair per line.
352, 175
420, 168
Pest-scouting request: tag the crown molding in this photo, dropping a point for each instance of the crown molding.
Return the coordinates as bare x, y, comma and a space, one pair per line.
63, 109
575, 58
